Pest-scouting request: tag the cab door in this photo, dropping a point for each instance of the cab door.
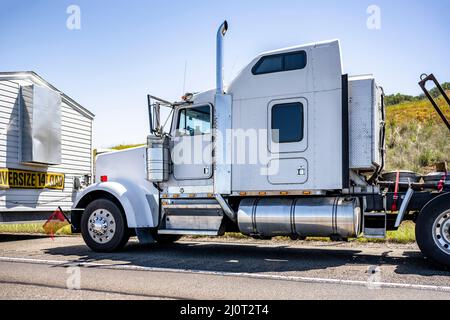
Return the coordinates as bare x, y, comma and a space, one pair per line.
288, 141
192, 148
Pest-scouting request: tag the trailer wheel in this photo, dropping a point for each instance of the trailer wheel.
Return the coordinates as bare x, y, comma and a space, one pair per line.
103, 226
433, 231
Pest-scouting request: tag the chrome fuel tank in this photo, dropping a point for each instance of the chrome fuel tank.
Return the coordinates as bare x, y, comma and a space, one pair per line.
305, 217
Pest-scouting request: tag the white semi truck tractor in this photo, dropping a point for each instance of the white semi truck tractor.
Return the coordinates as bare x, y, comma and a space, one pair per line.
292, 147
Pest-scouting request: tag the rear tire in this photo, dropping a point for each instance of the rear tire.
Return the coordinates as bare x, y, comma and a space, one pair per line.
433, 231
104, 227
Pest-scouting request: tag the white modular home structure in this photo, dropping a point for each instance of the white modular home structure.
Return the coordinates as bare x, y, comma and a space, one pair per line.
45, 148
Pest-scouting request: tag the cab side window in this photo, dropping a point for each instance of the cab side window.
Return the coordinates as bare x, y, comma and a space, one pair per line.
287, 123
194, 121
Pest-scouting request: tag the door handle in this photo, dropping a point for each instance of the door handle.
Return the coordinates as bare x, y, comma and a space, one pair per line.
301, 171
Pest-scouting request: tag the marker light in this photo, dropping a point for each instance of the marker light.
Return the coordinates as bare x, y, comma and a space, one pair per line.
104, 178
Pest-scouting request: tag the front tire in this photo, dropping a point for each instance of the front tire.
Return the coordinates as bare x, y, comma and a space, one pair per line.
433, 231
104, 227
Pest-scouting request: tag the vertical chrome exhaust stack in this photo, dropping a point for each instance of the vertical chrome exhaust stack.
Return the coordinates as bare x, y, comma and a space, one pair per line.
219, 64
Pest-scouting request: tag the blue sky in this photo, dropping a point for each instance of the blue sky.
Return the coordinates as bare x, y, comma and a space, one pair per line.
126, 49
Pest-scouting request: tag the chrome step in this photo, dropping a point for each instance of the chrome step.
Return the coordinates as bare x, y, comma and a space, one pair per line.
375, 225
374, 233
191, 217
192, 206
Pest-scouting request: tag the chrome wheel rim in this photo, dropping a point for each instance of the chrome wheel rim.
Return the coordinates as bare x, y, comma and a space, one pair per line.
441, 232
101, 226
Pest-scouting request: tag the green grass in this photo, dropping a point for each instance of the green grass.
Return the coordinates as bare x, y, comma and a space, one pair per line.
404, 235
126, 146
31, 229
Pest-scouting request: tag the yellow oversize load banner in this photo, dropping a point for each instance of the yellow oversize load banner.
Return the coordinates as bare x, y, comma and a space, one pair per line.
20, 179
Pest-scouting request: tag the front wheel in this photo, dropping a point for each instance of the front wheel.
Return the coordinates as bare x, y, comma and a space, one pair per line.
103, 226
433, 231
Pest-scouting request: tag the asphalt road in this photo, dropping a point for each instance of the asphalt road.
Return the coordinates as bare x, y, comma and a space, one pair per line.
64, 268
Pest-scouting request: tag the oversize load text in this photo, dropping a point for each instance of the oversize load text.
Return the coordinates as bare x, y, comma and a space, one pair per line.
19, 179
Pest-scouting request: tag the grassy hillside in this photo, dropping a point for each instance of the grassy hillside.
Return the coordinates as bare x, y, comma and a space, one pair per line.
399, 97
416, 137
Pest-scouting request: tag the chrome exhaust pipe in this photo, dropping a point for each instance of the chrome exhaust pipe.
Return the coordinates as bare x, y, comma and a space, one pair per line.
219, 63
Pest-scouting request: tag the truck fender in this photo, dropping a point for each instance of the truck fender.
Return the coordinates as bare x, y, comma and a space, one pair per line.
442, 198
141, 206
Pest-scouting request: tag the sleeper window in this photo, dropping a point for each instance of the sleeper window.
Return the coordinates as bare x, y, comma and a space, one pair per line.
194, 121
270, 64
295, 61
287, 122
280, 62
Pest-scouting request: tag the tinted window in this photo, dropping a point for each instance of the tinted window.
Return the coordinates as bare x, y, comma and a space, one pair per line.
295, 61
288, 120
270, 64
280, 62
194, 121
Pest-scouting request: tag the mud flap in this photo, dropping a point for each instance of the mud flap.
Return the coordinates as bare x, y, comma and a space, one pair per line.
145, 236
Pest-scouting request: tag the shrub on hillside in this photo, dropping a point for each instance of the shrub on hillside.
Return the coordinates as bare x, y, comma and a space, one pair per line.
398, 98
416, 137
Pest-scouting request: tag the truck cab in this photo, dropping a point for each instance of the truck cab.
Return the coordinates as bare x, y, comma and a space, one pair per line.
292, 147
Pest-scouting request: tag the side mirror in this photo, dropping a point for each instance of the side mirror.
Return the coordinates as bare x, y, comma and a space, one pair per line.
154, 116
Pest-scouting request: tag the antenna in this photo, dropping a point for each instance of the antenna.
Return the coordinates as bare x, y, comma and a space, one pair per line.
184, 80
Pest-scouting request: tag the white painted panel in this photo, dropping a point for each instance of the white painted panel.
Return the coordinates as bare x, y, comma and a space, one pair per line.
365, 110
319, 87
294, 171
324, 152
